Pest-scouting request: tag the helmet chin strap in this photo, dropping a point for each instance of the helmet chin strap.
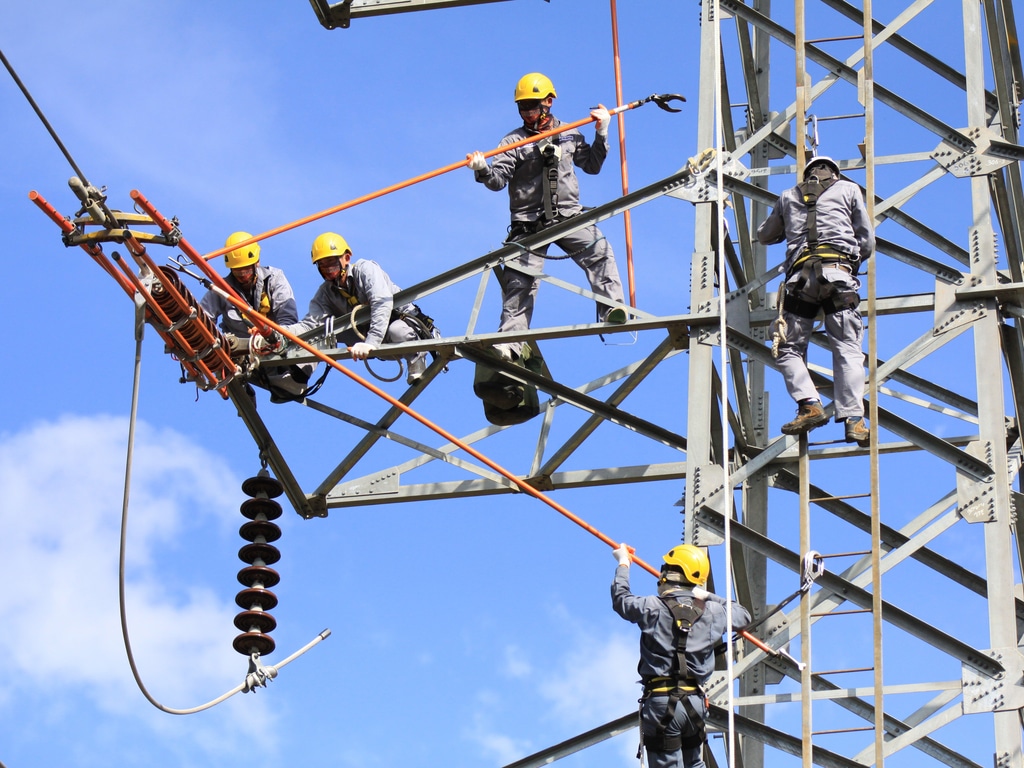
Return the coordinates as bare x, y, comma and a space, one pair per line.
671, 579
542, 122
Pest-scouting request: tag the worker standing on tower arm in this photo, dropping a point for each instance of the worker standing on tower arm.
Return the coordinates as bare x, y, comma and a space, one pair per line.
828, 236
543, 189
348, 284
679, 630
267, 290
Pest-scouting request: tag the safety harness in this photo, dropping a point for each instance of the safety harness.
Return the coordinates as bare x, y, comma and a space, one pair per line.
552, 154
809, 264
677, 686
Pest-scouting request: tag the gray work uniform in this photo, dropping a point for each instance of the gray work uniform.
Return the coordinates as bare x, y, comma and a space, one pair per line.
271, 295
658, 654
369, 285
843, 227
523, 171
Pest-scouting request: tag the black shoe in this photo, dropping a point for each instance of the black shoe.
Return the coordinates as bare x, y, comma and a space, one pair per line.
808, 416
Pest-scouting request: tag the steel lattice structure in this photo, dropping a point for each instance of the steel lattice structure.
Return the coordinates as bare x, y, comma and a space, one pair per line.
931, 503
944, 303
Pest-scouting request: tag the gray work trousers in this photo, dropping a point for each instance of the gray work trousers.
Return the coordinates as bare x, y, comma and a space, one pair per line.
844, 329
518, 291
652, 710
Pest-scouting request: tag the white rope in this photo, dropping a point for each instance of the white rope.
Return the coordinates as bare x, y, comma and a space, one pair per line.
724, 364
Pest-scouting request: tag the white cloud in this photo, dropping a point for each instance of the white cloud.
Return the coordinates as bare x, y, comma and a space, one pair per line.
595, 682
516, 664
61, 485
493, 745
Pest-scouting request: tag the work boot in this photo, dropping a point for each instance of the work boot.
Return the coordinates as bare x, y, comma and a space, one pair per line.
808, 416
857, 431
617, 316
417, 367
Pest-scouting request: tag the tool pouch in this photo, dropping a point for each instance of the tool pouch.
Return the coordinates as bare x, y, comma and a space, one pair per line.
507, 401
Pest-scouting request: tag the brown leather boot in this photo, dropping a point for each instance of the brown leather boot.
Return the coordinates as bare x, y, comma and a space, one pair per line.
857, 431
808, 416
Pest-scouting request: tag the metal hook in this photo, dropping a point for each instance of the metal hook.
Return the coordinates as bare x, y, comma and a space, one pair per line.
180, 267
812, 565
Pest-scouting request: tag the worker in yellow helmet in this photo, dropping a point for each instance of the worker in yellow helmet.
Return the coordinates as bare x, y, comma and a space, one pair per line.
828, 235
348, 284
543, 190
679, 630
267, 290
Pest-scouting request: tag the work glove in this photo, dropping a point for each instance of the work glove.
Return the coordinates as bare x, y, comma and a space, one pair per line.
603, 118
622, 554
700, 593
361, 350
477, 161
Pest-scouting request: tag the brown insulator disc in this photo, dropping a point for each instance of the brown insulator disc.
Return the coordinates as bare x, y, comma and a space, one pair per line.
253, 642
252, 507
268, 553
255, 621
253, 529
259, 574
254, 598
262, 484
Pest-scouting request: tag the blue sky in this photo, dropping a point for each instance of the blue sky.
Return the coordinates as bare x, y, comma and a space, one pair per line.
469, 632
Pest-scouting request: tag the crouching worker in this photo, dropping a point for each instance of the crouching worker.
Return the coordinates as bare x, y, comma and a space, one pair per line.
349, 284
267, 291
679, 629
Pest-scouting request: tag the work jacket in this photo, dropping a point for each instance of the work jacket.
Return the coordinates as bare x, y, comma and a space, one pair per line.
365, 283
657, 633
269, 284
523, 170
841, 220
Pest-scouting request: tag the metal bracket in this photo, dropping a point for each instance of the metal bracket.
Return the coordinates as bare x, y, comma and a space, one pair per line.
372, 485
990, 154
951, 313
1002, 693
976, 499
706, 482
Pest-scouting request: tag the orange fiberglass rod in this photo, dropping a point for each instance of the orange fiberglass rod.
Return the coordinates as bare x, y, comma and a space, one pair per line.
627, 218
660, 99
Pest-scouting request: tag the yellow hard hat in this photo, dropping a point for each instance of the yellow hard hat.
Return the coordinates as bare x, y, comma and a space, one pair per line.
329, 244
241, 257
534, 86
693, 562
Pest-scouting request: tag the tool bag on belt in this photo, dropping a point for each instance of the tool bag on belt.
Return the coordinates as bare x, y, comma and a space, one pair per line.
507, 401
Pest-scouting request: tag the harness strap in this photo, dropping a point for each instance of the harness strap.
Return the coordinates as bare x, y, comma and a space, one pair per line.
347, 290
552, 153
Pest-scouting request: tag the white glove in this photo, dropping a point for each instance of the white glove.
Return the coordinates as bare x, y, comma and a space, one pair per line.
361, 350
622, 554
603, 118
477, 161
700, 593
